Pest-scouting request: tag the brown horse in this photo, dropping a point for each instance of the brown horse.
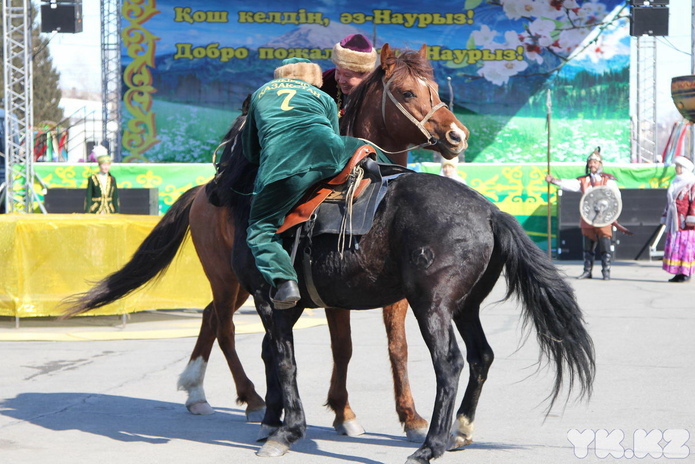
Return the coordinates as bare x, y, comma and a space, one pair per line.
410, 113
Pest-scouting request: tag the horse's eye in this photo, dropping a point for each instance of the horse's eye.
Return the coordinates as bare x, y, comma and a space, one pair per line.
408, 94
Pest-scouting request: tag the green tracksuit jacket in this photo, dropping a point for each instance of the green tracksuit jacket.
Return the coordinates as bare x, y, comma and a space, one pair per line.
292, 134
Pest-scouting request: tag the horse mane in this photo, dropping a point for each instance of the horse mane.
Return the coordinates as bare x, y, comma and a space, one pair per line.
236, 128
406, 64
236, 175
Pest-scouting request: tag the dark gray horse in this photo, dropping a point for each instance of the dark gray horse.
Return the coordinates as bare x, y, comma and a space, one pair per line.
442, 246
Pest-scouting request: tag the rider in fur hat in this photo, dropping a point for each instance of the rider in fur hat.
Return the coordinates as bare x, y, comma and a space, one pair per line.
354, 58
291, 132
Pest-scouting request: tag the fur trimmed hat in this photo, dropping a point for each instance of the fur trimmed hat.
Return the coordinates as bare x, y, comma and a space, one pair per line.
300, 68
356, 53
684, 162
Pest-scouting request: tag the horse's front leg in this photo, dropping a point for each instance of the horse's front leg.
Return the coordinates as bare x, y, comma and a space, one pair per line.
281, 378
394, 321
272, 419
345, 421
246, 391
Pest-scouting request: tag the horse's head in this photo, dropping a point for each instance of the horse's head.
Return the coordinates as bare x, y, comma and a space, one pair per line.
410, 92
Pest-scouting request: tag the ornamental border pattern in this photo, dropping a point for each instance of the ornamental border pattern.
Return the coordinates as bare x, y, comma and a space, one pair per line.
140, 133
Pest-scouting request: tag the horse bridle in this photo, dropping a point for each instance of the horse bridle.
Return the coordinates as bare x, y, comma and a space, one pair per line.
431, 140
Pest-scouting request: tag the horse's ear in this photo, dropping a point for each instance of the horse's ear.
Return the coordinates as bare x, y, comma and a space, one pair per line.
423, 51
388, 60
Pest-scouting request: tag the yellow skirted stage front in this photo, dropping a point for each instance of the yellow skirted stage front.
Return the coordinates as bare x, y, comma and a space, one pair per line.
48, 257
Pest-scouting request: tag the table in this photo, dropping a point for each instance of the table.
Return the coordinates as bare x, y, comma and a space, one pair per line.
48, 257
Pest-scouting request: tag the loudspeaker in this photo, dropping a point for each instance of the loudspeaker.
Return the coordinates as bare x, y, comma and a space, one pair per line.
62, 17
133, 200
139, 201
649, 20
641, 214
649, 2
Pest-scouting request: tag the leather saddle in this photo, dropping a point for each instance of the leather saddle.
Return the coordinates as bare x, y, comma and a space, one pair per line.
344, 206
344, 194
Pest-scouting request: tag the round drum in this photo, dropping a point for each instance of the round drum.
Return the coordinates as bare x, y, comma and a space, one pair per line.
683, 94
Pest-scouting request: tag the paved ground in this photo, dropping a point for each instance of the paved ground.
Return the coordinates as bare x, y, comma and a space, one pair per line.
114, 399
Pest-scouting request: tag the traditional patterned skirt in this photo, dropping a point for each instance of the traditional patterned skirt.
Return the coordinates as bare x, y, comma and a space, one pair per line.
679, 253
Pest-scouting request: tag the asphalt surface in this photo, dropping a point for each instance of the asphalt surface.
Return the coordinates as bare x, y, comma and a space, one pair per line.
113, 399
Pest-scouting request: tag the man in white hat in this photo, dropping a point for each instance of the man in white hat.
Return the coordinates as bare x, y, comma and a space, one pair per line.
449, 169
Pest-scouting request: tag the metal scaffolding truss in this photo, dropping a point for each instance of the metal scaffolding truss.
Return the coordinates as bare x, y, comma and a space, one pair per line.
644, 135
18, 104
111, 75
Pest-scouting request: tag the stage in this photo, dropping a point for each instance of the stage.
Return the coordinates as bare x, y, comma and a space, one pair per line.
48, 257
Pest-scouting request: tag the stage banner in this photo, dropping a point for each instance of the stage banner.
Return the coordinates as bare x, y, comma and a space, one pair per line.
188, 65
518, 189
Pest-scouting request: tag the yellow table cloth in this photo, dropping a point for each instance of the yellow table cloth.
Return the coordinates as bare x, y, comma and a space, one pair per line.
45, 258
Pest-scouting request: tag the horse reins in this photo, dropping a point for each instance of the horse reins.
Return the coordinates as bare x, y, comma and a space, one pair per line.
225, 142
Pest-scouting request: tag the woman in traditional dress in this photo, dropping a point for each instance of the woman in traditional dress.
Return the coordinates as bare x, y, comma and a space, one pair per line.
679, 219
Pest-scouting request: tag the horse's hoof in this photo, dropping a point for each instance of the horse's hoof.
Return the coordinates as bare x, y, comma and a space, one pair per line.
265, 432
255, 415
351, 428
272, 449
416, 435
201, 408
458, 442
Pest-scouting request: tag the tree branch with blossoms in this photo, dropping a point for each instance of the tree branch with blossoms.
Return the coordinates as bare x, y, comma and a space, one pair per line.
548, 27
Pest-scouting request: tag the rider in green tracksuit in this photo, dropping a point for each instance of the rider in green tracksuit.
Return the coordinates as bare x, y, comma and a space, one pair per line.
292, 133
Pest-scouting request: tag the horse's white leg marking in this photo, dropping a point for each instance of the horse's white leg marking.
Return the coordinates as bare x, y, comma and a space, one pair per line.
461, 433
351, 428
191, 380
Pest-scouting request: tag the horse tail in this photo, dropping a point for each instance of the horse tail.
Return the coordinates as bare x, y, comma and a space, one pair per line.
549, 304
150, 260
